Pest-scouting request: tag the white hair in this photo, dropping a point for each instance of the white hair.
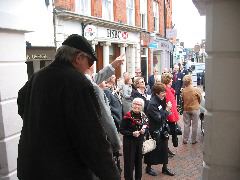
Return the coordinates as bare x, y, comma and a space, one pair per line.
139, 100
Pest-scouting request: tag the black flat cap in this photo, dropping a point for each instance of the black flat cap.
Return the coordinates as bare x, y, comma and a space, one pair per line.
81, 43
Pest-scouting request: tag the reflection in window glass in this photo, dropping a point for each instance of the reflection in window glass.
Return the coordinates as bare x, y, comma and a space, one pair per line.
83, 7
143, 13
107, 9
155, 16
130, 13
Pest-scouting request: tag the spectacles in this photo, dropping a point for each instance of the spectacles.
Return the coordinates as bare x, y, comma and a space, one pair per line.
90, 60
137, 104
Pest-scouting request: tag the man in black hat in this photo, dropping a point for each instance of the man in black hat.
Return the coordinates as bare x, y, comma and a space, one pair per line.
62, 138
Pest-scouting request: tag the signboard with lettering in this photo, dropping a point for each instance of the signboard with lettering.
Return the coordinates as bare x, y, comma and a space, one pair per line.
116, 34
40, 53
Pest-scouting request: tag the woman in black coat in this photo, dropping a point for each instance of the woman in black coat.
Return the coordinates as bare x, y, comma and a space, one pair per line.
157, 112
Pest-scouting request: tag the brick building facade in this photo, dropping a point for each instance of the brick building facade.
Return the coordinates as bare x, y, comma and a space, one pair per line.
120, 26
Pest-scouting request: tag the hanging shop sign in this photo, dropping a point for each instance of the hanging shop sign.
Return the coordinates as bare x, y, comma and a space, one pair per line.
90, 32
153, 45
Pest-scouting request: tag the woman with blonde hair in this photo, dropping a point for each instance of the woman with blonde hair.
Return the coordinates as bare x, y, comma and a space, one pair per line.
140, 91
191, 100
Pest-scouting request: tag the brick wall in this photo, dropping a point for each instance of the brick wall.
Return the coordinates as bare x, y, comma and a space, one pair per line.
96, 8
161, 17
119, 11
150, 15
169, 13
65, 4
137, 13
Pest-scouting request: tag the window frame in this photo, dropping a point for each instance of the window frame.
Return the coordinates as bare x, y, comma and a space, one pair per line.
83, 9
130, 19
155, 16
143, 14
106, 10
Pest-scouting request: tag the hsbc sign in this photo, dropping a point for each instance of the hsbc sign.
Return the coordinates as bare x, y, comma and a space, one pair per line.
116, 34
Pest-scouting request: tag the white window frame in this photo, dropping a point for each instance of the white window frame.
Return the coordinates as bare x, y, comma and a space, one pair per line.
83, 7
143, 13
130, 5
107, 10
155, 16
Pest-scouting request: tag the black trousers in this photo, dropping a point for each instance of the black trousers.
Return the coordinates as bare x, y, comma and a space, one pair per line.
132, 155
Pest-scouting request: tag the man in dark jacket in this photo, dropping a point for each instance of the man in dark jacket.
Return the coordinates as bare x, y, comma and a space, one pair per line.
62, 138
177, 82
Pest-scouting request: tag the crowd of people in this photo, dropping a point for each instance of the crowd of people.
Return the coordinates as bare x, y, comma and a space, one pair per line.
73, 119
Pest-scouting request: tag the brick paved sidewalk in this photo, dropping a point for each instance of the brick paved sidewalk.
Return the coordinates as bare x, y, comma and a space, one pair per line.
187, 163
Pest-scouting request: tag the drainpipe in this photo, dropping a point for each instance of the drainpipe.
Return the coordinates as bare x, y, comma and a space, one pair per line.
165, 18
54, 24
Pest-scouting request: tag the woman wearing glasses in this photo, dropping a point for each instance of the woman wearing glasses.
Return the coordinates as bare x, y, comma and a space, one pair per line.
140, 91
133, 127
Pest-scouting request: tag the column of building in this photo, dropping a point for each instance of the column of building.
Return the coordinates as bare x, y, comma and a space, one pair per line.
123, 51
222, 139
13, 75
105, 53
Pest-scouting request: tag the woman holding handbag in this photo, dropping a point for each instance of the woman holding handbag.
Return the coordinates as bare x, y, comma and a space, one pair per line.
158, 111
133, 127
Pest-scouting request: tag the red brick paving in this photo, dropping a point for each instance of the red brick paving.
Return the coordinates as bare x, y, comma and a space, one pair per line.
187, 163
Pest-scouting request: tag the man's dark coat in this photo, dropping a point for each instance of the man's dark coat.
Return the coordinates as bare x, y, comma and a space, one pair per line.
62, 138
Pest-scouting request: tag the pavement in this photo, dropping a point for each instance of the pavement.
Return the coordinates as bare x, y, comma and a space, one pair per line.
187, 163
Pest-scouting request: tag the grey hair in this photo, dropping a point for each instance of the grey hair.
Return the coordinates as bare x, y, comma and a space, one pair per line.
139, 100
66, 54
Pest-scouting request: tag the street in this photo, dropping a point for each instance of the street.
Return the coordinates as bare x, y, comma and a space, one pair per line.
187, 163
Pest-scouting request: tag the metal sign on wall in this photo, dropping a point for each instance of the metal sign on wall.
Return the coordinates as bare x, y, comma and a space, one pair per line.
40, 53
90, 32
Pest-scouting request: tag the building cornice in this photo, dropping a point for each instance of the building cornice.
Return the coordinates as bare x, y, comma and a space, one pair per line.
68, 15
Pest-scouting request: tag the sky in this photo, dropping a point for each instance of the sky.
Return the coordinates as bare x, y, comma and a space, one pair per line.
188, 22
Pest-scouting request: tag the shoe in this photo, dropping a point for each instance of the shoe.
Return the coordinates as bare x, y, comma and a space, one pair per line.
194, 142
168, 172
184, 142
151, 171
171, 153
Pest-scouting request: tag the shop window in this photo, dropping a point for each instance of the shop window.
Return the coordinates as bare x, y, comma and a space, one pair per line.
130, 12
155, 16
83, 7
107, 10
143, 13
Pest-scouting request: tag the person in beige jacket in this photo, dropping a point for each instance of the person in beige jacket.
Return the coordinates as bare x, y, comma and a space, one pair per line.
191, 99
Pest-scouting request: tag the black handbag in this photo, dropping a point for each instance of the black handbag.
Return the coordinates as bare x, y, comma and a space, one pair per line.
178, 129
175, 129
162, 133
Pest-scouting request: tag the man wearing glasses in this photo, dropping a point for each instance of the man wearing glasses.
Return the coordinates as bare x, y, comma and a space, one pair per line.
62, 137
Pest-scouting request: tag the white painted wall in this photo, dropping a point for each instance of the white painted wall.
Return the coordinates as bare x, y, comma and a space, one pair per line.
40, 20
13, 74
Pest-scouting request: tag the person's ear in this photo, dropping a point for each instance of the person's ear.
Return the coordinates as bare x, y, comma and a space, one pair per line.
77, 59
